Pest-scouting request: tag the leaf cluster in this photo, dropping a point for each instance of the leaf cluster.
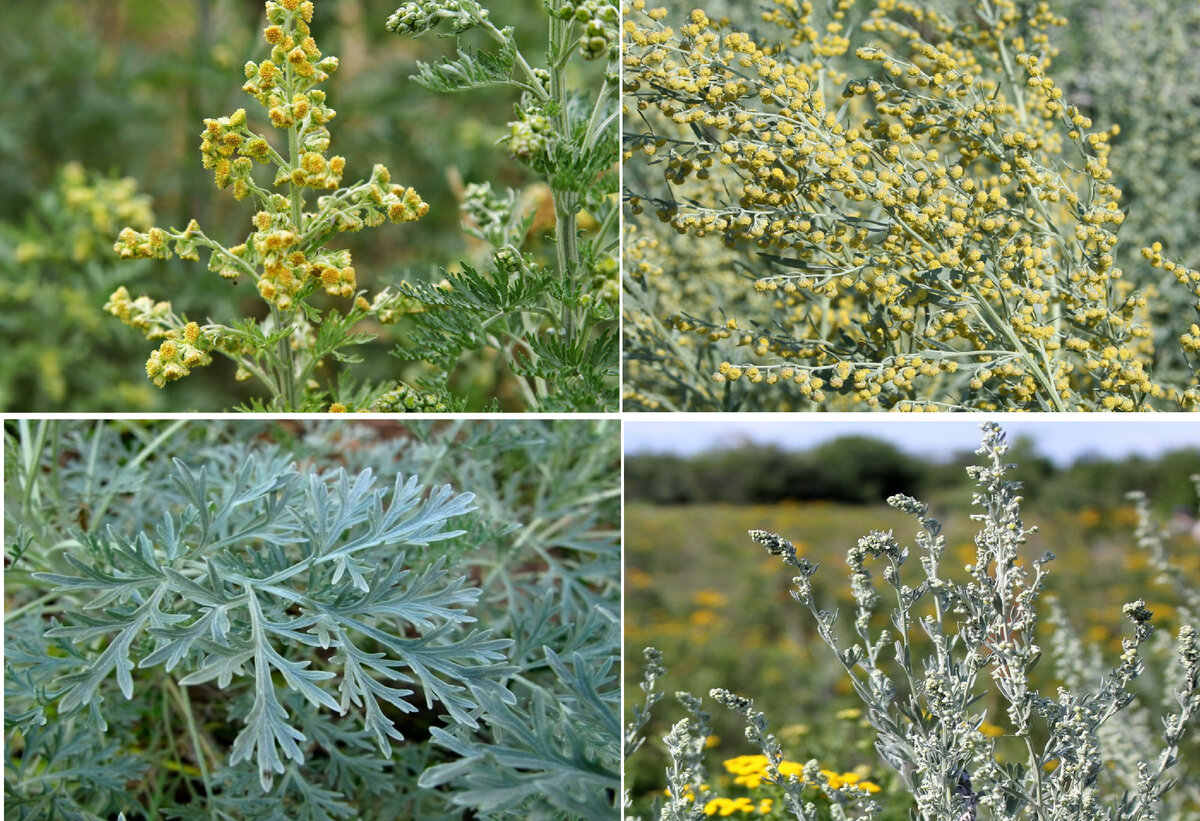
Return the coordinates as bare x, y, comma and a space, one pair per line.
246, 614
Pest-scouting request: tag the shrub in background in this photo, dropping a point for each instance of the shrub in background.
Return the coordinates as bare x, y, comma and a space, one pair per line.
864, 470
60, 352
1149, 94
245, 620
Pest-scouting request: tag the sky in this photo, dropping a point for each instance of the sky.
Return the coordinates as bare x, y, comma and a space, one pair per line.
1062, 440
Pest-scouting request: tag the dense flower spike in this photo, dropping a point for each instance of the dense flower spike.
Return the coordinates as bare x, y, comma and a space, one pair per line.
939, 235
285, 253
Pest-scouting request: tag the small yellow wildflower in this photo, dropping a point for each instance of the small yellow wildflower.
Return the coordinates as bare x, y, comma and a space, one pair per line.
728, 806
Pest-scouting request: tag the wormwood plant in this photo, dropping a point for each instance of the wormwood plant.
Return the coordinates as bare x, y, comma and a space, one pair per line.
926, 221
801, 791
1086, 751
206, 624
554, 323
287, 254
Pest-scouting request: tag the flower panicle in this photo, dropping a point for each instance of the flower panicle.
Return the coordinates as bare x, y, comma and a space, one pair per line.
284, 253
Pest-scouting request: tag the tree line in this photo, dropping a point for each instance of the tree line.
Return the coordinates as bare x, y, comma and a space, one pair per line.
863, 470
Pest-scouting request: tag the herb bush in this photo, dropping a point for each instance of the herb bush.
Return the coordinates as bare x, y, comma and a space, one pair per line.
1149, 95
61, 352
910, 213
251, 620
554, 324
942, 671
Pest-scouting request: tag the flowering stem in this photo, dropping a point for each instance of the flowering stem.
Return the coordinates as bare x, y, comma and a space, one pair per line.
282, 319
1005, 328
565, 203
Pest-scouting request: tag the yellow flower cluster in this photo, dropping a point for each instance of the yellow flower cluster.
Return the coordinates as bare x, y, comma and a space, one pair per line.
93, 208
752, 770
923, 246
175, 358
185, 345
729, 806
219, 141
150, 244
285, 253
148, 316
654, 279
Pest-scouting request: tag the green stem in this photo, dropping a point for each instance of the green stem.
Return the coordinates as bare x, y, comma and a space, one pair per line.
597, 127
283, 319
1035, 767
185, 704
511, 342
143, 455
999, 325
31, 452
266, 378
566, 239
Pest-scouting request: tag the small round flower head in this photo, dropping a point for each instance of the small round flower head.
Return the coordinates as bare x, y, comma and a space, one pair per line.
420, 16
775, 545
404, 398
531, 137
1137, 612
405, 205
174, 361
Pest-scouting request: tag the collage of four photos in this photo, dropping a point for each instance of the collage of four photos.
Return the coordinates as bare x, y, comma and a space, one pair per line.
500, 409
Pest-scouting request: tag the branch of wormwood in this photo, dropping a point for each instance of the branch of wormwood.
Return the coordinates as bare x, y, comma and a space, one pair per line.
285, 254
553, 322
329, 572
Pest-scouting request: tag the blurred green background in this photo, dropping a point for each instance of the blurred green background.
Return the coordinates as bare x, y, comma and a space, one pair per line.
98, 90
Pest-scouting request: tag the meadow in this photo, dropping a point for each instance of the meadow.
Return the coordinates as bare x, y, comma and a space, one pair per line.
719, 609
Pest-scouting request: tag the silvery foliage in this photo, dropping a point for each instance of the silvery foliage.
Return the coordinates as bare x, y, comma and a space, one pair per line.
216, 593
311, 606
1127, 736
688, 782
925, 711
